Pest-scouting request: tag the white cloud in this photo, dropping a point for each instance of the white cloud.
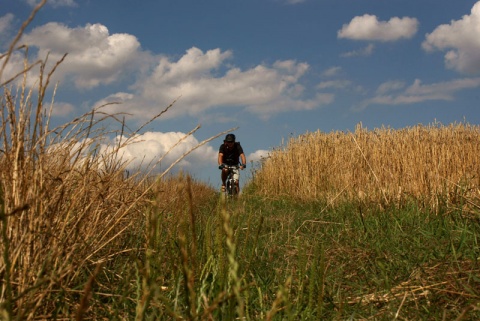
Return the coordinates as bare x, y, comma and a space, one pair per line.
54, 3
204, 81
368, 27
6, 23
363, 52
146, 149
463, 38
6, 30
197, 80
94, 56
258, 155
332, 71
14, 66
390, 86
284, 104
447, 88
334, 84
392, 93
62, 109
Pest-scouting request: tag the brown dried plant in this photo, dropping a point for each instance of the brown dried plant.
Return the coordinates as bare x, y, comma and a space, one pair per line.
434, 165
67, 209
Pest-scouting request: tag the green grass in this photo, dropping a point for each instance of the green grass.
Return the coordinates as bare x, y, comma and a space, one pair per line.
261, 259
344, 263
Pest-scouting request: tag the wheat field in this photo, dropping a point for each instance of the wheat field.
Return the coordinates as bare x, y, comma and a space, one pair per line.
430, 164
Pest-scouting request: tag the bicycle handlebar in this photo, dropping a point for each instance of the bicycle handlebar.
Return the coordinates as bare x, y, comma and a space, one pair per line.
231, 166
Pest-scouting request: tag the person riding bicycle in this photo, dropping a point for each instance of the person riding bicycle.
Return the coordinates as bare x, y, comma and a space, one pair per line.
231, 153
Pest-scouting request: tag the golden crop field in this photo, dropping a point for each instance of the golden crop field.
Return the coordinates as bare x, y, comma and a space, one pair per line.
431, 164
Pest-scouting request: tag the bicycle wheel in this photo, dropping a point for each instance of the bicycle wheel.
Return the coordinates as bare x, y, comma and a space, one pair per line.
233, 191
235, 188
230, 187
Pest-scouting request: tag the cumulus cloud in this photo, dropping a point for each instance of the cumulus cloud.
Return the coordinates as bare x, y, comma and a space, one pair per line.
148, 148
368, 27
258, 155
461, 41
151, 151
204, 82
94, 57
395, 92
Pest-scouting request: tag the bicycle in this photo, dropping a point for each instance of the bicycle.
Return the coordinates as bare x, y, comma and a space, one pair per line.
231, 189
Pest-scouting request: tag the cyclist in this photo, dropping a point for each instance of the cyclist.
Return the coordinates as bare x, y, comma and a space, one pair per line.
231, 153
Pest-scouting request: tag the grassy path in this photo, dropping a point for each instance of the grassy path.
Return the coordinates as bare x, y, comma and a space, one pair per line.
281, 260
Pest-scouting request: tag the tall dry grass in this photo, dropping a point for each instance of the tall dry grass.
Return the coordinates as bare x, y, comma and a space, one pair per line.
65, 207
68, 209
432, 164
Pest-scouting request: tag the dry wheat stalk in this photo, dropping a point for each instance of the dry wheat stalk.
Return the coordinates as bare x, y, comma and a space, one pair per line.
384, 166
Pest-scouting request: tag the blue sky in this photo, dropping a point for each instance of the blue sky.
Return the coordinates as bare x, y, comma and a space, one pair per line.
272, 68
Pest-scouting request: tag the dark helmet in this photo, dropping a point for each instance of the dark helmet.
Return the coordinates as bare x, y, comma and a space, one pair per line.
230, 138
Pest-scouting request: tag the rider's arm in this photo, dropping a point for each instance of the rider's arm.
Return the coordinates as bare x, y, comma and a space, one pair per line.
244, 159
220, 158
